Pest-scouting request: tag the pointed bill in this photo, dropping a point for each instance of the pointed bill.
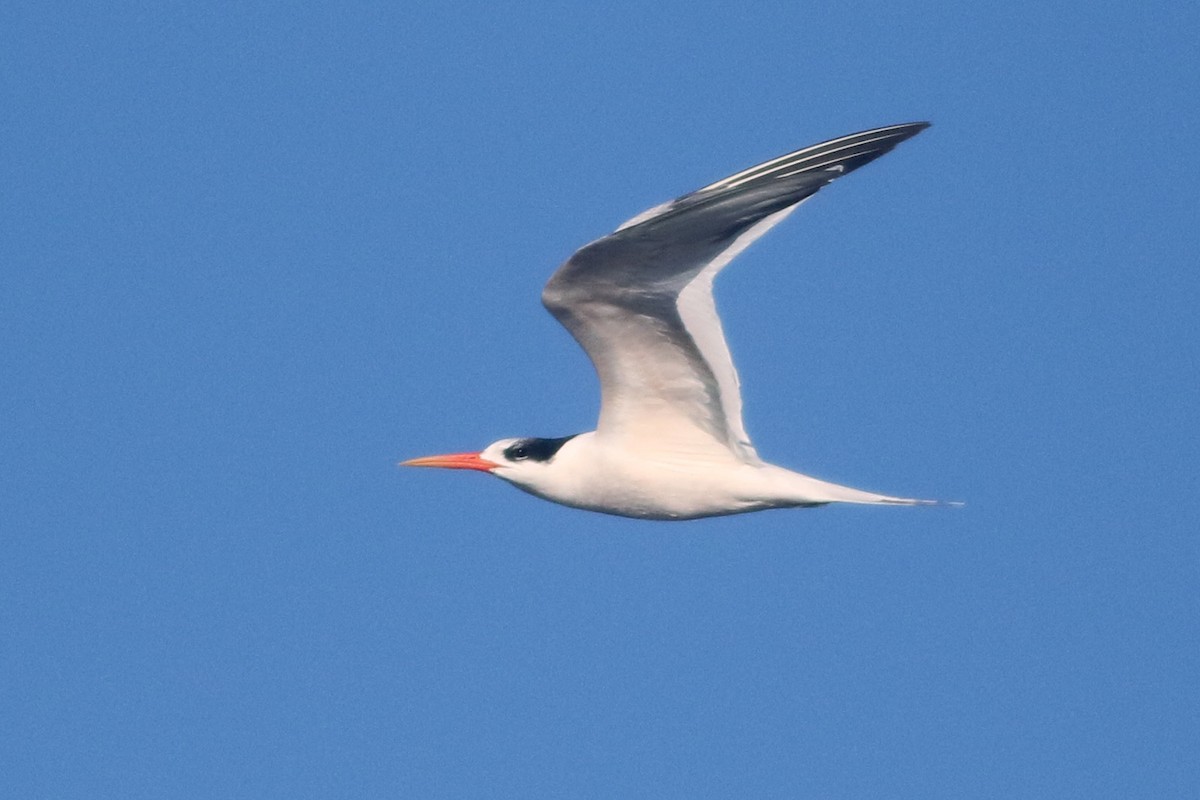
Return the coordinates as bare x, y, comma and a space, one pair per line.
453, 461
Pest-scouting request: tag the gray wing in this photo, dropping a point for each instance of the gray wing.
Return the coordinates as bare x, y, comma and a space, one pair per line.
639, 301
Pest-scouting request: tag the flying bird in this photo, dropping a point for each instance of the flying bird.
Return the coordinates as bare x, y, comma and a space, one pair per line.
670, 443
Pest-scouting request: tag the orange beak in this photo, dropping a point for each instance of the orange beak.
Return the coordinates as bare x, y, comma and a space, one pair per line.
453, 461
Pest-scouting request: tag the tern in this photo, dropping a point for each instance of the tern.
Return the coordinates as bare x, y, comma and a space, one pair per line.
670, 443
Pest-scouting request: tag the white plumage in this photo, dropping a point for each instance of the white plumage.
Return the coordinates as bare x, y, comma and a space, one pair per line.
670, 442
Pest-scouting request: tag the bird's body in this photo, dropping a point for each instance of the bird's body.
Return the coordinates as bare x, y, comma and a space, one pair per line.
670, 443
593, 474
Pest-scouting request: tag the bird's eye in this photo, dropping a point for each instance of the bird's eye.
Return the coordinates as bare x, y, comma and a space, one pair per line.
519, 453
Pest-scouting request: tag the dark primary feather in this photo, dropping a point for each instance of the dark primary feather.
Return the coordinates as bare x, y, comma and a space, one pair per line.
679, 240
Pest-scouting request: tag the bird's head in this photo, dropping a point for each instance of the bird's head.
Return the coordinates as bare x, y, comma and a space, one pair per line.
525, 462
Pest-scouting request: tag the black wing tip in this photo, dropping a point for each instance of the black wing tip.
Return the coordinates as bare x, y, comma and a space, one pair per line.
908, 129
806, 170
845, 154
887, 135
915, 127
831, 158
893, 133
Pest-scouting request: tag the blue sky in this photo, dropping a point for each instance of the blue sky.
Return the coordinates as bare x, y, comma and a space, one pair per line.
256, 253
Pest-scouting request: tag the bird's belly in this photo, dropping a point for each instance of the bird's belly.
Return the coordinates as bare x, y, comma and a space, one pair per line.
668, 493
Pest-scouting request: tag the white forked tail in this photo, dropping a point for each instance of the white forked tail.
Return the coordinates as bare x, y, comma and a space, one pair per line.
807, 489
